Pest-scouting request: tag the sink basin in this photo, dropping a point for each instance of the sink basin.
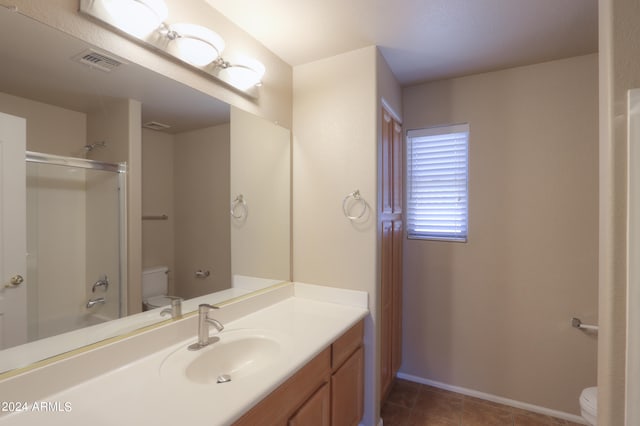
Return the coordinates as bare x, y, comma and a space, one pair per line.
238, 354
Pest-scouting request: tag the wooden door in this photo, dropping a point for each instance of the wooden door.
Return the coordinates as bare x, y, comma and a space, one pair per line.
391, 228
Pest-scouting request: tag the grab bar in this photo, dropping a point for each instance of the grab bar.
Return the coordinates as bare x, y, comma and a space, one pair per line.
577, 323
155, 217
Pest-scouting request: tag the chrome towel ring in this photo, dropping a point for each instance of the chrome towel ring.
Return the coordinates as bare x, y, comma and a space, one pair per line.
348, 203
239, 207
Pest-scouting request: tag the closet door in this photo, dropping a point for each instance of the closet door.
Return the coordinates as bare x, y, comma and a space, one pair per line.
391, 228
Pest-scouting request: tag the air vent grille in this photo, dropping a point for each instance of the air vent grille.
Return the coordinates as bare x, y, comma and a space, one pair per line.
154, 125
97, 60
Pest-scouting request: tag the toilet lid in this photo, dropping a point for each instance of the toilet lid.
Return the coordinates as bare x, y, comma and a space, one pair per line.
158, 301
589, 399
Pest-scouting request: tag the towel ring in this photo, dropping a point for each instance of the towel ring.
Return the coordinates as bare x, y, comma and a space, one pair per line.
235, 204
356, 197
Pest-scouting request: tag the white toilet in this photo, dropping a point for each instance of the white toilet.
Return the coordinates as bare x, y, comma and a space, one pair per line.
589, 405
155, 285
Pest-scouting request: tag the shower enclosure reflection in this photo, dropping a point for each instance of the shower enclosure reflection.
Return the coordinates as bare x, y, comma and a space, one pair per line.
75, 235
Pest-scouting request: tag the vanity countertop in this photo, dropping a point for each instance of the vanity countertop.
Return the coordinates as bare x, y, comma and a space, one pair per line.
136, 393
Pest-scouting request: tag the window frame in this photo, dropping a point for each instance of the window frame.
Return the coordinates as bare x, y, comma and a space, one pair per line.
439, 130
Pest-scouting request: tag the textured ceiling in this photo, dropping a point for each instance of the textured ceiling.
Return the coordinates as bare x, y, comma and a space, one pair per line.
422, 40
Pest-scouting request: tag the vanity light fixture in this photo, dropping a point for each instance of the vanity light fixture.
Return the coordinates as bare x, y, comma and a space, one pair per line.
194, 45
242, 72
137, 17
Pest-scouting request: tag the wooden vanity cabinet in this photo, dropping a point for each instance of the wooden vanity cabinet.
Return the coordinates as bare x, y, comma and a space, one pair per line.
347, 379
316, 411
327, 391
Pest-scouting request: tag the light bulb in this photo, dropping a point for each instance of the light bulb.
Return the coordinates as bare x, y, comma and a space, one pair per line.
195, 44
243, 72
137, 17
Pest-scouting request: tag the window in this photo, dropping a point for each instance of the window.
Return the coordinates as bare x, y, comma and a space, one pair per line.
437, 193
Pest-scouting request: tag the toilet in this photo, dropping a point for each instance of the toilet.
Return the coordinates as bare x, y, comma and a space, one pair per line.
589, 405
155, 285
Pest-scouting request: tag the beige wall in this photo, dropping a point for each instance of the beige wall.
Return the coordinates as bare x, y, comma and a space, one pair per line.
157, 199
493, 314
260, 159
389, 90
117, 123
619, 72
275, 100
334, 153
185, 176
50, 129
202, 234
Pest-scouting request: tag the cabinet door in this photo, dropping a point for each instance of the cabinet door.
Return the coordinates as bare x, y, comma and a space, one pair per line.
284, 402
386, 308
316, 411
390, 217
347, 391
396, 297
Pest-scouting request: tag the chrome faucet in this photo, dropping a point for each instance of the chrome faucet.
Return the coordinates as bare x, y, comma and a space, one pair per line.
203, 327
98, 301
102, 282
175, 310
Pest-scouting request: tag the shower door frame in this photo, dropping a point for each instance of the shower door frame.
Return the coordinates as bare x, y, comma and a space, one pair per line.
121, 170
632, 414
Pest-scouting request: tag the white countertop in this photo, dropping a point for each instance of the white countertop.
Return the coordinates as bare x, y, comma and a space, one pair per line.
26, 354
136, 393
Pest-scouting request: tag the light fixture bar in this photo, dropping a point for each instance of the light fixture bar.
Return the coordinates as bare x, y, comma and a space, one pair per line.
194, 45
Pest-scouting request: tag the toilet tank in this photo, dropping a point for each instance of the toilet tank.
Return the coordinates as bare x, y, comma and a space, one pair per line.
154, 281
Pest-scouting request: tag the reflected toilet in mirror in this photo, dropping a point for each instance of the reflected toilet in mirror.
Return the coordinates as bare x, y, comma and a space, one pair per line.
155, 287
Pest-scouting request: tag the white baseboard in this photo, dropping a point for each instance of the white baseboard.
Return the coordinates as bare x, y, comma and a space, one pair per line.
494, 398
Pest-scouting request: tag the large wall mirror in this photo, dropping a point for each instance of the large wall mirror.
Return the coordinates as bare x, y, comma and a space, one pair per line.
215, 185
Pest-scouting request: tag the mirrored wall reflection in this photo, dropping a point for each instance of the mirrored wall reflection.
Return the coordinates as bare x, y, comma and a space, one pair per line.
191, 225
82, 112
74, 240
185, 227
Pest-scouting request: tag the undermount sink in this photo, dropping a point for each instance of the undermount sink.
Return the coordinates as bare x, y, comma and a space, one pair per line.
238, 354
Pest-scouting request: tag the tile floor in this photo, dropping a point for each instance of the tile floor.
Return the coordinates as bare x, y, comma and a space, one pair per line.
414, 404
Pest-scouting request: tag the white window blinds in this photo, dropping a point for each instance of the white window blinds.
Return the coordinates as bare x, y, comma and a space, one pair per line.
437, 176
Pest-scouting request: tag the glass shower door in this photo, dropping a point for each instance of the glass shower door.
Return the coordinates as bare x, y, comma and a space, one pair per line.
74, 240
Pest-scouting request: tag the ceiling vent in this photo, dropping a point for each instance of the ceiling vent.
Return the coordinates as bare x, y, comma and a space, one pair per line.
97, 60
154, 125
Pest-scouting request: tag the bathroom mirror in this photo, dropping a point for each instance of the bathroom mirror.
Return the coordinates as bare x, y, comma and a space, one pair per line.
215, 184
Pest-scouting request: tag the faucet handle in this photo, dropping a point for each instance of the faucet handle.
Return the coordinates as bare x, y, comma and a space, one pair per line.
204, 307
204, 310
